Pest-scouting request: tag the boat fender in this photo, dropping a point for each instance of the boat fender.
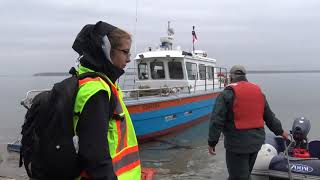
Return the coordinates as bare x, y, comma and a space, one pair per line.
268, 150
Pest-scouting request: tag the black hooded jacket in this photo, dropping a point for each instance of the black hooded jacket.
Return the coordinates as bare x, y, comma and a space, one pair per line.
92, 127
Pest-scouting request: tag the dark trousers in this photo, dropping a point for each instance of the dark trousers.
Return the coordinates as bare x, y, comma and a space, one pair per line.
240, 165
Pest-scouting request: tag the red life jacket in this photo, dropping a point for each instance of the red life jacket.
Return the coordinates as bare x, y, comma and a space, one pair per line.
248, 105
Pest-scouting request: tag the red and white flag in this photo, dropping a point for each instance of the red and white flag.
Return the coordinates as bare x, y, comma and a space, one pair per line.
194, 36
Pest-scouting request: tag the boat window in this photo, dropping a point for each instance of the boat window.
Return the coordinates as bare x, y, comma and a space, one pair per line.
202, 71
210, 72
143, 71
192, 70
175, 70
157, 70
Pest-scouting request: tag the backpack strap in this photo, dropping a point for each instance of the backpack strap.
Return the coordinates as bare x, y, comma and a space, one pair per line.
73, 71
81, 77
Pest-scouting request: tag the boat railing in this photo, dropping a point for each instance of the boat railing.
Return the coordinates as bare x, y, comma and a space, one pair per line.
160, 92
128, 80
220, 74
219, 80
131, 92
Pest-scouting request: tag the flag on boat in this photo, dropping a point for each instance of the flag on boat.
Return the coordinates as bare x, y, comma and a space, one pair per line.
194, 36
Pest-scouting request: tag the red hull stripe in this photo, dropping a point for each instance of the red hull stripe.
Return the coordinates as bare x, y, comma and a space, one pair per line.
173, 129
140, 108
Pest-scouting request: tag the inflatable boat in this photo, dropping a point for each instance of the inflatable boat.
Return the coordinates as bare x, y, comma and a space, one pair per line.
276, 155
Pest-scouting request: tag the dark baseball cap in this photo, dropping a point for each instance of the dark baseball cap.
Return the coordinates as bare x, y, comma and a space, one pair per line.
238, 69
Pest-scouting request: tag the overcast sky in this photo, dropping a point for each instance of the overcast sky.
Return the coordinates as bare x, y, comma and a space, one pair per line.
37, 35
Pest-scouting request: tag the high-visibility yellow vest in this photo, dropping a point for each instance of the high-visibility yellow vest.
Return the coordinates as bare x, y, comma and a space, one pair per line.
123, 145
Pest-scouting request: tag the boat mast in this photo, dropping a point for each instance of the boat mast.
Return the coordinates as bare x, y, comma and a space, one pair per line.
166, 41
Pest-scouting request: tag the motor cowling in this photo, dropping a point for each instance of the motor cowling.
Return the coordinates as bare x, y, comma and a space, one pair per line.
300, 129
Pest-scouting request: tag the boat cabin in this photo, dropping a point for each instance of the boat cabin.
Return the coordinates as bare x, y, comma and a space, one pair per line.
176, 68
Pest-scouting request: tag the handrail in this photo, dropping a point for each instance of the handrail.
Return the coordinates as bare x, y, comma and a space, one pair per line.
219, 73
161, 91
146, 89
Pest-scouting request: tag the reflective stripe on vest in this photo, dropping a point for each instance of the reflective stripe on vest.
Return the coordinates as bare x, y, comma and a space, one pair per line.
126, 160
121, 120
248, 105
122, 140
85, 80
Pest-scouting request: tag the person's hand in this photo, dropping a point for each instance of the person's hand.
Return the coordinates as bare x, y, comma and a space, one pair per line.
212, 150
285, 135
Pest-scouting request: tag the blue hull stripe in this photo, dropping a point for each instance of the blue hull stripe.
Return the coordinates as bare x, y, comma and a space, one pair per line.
159, 120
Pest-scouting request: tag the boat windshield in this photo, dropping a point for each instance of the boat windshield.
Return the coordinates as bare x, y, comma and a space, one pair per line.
143, 71
175, 70
202, 71
157, 70
192, 70
210, 71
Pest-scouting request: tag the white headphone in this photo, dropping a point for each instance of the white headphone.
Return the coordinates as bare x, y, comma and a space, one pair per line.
106, 47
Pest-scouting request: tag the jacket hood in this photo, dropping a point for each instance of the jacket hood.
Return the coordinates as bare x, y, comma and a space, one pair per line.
94, 49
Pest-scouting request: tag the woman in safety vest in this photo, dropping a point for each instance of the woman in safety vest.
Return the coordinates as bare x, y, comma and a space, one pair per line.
108, 147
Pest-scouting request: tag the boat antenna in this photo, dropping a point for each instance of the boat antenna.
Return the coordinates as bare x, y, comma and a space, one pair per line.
135, 43
135, 29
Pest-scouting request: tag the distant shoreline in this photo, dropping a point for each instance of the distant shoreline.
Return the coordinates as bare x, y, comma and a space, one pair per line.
281, 71
52, 74
249, 72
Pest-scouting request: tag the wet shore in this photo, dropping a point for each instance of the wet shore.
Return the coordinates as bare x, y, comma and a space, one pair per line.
9, 165
176, 163
188, 163
183, 155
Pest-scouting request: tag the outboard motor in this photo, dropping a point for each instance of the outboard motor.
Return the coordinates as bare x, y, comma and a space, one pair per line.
300, 129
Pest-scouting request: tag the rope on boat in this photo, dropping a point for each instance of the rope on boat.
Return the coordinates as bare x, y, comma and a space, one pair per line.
287, 156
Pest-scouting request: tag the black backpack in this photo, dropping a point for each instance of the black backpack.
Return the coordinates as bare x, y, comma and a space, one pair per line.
47, 147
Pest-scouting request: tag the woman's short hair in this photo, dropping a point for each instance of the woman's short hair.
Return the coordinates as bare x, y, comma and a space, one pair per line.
116, 36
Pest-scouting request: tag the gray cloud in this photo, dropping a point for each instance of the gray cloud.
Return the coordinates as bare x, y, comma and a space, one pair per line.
36, 35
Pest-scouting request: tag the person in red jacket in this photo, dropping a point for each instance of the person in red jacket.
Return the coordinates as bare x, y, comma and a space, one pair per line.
240, 112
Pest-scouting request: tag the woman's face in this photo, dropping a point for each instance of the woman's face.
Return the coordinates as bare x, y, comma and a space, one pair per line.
120, 56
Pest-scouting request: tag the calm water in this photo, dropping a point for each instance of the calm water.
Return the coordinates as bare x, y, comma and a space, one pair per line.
182, 155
